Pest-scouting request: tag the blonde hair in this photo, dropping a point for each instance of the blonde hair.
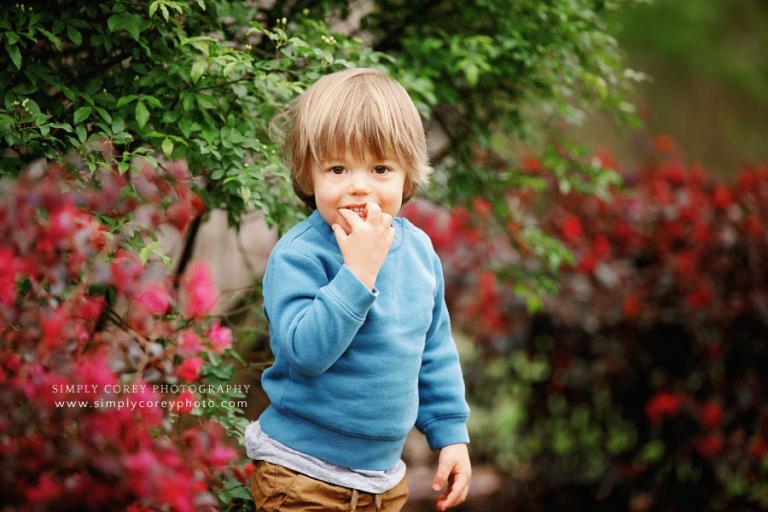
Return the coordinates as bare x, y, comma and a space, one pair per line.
354, 111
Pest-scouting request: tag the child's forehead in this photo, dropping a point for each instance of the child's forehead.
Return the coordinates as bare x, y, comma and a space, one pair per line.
365, 157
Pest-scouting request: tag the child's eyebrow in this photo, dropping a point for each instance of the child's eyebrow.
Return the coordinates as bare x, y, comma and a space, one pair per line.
342, 160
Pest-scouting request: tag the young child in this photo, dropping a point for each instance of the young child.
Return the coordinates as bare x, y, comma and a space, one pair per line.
357, 318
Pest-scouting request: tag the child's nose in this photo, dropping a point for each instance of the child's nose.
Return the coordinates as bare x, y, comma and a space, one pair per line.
360, 185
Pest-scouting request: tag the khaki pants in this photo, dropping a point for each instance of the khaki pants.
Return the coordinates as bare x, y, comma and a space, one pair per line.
276, 488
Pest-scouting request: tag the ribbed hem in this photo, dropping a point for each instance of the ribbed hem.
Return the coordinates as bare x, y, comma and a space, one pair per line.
448, 430
337, 448
351, 294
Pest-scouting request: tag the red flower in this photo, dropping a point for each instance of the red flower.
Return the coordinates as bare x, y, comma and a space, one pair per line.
721, 197
631, 306
700, 297
601, 247
243, 473
199, 291
481, 206
530, 163
180, 215
709, 445
571, 228
752, 226
758, 448
189, 370
664, 143
711, 415
663, 405
54, 325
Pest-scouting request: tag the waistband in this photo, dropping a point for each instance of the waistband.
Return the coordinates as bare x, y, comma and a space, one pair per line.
343, 449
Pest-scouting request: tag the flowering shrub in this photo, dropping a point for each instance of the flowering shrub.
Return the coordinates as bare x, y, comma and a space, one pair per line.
92, 344
644, 376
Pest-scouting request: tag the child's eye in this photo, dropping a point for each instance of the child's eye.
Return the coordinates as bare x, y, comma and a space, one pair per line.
337, 169
381, 169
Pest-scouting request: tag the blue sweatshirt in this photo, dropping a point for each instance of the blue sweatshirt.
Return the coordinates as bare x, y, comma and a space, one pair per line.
356, 368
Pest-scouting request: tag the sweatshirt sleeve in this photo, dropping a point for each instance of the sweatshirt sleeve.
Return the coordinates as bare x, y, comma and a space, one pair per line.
313, 321
443, 411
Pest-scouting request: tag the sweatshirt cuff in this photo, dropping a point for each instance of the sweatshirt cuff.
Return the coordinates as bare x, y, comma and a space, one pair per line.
444, 431
351, 294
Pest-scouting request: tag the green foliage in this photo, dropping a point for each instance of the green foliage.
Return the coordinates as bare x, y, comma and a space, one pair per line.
202, 80
195, 81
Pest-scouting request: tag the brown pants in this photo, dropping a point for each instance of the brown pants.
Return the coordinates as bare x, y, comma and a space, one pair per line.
276, 488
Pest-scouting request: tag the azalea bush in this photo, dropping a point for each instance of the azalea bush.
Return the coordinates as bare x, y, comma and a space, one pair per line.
96, 342
642, 380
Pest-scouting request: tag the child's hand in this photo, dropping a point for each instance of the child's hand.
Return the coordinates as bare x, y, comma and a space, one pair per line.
454, 467
365, 247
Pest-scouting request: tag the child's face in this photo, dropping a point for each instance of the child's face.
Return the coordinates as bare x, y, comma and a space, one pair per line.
345, 182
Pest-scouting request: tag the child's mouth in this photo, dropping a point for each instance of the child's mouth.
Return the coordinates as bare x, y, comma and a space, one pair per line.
360, 210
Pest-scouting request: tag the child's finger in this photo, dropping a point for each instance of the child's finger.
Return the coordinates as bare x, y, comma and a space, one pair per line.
441, 476
386, 219
351, 217
457, 492
373, 213
339, 233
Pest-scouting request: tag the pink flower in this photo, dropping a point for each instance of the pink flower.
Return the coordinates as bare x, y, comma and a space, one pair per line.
189, 343
154, 299
221, 455
199, 291
184, 403
221, 337
8, 270
62, 222
90, 307
189, 370
54, 325
95, 371
125, 269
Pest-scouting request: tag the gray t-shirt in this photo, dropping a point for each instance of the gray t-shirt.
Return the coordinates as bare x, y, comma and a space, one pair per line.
259, 446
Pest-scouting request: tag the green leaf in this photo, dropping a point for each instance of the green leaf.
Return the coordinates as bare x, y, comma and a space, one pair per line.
74, 35
126, 100
131, 23
81, 133
142, 114
82, 114
51, 37
198, 68
14, 54
118, 125
104, 115
122, 138
167, 147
